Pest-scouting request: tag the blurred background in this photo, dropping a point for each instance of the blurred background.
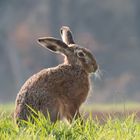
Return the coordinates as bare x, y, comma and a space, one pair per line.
109, 28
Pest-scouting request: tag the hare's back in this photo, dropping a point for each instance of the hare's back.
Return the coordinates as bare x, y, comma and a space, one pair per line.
33, 88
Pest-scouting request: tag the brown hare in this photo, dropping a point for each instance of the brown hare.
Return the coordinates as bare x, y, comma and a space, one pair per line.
58, 91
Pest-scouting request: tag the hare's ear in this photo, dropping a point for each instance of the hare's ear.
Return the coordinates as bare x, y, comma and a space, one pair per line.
66, 35
53, 44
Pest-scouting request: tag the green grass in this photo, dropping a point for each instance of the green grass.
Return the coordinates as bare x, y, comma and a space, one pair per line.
127, 128
114, 106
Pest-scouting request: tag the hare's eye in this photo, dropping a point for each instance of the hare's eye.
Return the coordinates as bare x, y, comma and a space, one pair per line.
80, 54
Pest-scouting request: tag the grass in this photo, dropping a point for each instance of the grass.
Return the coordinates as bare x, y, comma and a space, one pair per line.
127, 128
113, 106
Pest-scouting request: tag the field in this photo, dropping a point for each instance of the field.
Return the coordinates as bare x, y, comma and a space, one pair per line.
101, 122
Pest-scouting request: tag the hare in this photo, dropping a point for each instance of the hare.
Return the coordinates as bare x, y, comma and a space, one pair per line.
58, 91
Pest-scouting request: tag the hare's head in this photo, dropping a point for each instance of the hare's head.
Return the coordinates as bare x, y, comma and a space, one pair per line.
74, 54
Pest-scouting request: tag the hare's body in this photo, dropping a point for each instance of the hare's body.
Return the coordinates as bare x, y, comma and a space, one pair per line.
58, 91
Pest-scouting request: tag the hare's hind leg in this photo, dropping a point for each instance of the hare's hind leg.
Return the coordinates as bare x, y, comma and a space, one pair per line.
21, 113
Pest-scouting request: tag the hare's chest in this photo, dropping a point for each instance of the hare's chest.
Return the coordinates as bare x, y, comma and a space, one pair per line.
76, 88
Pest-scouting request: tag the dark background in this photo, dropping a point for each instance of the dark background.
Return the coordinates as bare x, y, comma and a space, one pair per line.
109, 28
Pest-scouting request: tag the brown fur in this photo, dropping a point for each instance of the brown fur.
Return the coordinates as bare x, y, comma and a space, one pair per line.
61, 90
